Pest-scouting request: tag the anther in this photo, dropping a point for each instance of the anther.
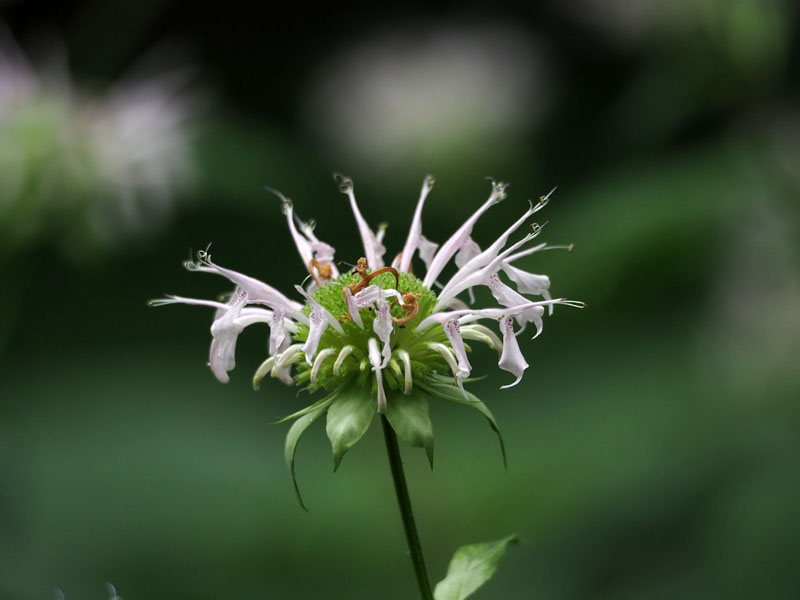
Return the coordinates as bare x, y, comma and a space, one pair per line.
546, 198
411, 306
323, 271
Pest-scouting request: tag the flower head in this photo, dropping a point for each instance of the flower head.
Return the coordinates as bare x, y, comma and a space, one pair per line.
379, 338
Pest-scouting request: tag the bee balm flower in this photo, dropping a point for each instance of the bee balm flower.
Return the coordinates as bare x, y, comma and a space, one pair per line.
379, 339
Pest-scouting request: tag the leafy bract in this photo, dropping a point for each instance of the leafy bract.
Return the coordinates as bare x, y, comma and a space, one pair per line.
442, 388
411, 421
296, 430
349, 417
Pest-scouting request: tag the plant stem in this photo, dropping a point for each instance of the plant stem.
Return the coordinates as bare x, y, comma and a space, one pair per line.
401, 489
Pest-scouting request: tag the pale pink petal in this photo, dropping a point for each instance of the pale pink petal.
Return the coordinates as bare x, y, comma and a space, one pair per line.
415, 231
474, 314
529, 283
467, 252
383, 327
277, 334
257, 291
316, 327
324, 312
300, 241
427, 249
375, 361
457, 285
459, 238
511, 360
480, 259
353, 308
225, 332
453, 332
373, 249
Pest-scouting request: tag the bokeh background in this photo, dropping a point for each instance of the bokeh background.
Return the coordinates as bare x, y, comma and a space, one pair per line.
654, 444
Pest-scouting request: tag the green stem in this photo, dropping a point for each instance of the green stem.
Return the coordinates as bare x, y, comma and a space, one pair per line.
401, 489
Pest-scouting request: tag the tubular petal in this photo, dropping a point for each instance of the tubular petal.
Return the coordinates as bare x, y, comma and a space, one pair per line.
375, 361
415, 231
511, 359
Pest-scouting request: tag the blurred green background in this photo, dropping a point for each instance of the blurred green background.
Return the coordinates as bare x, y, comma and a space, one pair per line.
654, 444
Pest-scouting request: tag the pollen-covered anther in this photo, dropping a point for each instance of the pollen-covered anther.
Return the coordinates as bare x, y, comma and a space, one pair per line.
411, 306
361, 269
323, 271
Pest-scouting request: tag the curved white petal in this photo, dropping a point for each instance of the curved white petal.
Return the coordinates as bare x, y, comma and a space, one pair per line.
459, 238
406, 360
343, 354
415, 231
427, 249
511, 360
478, 277
467, 252
352, 307
323, 354
373, 249
453, 332
481, 259
383, 327
375, 361
316, 327
323, 312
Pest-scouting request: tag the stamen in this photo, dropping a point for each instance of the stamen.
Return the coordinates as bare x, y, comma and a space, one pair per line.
536, 228
324, 271
321, 356
545, 199
411, 306
404, 356
361, 269
343, 354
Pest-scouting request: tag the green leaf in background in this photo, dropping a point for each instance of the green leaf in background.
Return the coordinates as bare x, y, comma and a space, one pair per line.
348, 419
411, 420
448, 391
297, 429
471, 567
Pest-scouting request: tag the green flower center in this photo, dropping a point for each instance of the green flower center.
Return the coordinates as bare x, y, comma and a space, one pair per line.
404, 337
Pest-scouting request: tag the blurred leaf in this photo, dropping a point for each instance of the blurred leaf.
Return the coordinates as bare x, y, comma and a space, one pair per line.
471, 567
348, 419
411, 421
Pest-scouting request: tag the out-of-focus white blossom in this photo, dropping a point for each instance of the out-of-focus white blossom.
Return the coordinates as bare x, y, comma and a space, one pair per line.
88, 170
424, 92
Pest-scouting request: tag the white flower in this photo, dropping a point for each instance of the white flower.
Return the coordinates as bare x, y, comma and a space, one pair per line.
379, 334
383, 315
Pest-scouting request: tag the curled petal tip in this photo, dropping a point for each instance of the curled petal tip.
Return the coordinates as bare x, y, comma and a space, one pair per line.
345, 183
